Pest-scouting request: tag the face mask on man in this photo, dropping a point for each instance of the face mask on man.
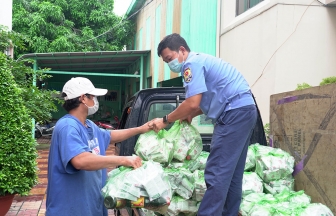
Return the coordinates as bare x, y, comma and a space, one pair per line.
92, 110
175, 65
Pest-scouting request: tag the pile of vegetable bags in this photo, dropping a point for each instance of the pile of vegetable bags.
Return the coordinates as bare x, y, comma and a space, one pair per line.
179, 151
173, 171
181, 142
130, 184
176, 154
268, 186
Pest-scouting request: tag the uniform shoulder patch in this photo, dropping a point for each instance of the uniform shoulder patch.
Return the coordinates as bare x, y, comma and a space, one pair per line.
187, 75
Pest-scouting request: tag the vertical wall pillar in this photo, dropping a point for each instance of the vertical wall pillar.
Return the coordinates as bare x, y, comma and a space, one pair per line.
34, 84
141, 72
157, 40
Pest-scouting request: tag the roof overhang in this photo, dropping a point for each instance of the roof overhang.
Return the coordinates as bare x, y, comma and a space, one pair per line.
134, 7
328, 2
109, 63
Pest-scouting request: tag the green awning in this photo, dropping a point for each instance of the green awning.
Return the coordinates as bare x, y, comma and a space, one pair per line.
128, 63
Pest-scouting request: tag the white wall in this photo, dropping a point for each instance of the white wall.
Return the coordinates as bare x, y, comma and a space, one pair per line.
6, 13
6, 19
279, 44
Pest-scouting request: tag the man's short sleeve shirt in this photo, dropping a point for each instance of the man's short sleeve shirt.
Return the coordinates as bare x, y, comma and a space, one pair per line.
222, 86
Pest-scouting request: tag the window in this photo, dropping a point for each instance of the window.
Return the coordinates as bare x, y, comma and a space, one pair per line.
244, 5
111, 95
158, 110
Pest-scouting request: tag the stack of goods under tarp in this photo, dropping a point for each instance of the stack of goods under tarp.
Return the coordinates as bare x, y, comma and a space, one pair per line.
268, 186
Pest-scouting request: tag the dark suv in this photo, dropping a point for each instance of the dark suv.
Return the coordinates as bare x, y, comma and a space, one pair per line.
148, 104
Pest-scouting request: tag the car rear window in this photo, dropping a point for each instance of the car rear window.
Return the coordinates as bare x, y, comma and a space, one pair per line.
158, 110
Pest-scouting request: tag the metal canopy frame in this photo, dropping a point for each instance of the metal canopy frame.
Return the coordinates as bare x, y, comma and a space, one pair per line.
107, 63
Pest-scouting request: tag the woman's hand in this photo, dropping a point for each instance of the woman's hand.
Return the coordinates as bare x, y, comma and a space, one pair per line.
132, 161
158, 124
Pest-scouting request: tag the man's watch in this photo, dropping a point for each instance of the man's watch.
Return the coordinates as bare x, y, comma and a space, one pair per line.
165, 119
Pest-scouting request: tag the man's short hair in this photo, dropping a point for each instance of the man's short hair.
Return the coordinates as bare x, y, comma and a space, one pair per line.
71, 103
173, 42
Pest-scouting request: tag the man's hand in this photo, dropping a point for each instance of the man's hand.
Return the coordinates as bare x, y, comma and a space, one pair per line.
132, 161
158, 124
188, 119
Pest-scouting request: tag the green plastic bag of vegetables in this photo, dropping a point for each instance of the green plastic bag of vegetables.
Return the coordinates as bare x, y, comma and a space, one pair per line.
181, 181
277, 186
252, 183
274, 164
251, 199
174, 177
154, 146
187, 141
200, 186
181, 206
298, 198
199, 162
250, 158
261, 210
316, 209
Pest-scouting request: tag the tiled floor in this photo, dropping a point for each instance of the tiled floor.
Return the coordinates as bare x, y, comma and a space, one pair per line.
35, 203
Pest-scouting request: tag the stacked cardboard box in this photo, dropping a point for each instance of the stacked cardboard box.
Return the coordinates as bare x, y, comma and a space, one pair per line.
303, 123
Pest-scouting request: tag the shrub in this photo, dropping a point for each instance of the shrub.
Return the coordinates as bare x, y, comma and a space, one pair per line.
18, 167
302, 86
328, 80
267, 131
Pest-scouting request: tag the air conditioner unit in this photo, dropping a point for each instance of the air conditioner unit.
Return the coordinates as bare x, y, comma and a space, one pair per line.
328, 2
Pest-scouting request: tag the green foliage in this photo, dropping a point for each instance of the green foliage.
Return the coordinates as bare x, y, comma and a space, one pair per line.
10, 38
302, 86
70, 25
39, 102
267, 131
328, 80
17, 147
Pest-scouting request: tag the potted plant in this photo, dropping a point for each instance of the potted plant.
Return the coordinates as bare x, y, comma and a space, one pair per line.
18, 167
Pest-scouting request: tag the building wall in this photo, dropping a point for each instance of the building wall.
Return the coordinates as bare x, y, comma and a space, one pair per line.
6, 18
195, 20
279, 44
6, 13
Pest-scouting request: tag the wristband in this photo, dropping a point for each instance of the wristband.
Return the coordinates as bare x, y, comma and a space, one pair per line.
165, 119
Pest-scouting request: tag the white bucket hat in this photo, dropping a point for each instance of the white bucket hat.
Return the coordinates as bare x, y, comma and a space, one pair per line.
78, 86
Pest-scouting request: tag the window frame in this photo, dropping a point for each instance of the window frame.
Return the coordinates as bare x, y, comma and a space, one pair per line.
198, 118
248, 6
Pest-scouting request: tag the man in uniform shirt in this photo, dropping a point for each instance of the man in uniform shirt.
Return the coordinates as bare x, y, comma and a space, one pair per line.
214, 88
77, 158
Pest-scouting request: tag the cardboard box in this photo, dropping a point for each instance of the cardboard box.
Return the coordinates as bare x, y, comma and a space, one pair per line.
303, 123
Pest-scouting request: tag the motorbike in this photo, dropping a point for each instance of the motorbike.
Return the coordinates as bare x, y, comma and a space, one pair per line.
43, 130
116, 122
104, 124
107, 124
